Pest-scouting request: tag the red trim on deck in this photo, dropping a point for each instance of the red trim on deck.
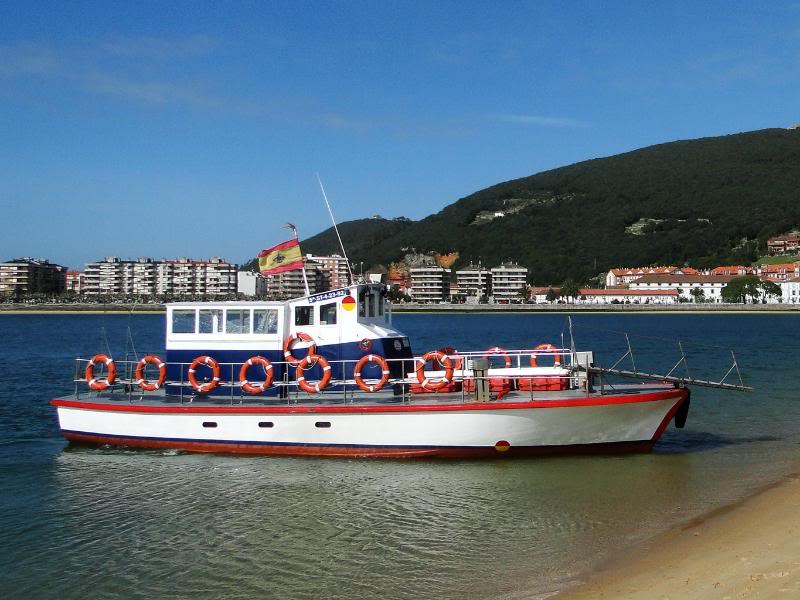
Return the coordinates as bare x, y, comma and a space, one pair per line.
361, 452
374, 408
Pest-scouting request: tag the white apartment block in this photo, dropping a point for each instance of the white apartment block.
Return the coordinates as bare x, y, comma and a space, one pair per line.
790, 291
474, 281
335, 269
509, 283
252, 284
31, 275
429, 284
147, 277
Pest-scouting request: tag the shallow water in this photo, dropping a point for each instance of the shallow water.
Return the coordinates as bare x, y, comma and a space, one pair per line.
79, 522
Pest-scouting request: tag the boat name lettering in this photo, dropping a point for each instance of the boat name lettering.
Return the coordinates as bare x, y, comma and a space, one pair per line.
327, 296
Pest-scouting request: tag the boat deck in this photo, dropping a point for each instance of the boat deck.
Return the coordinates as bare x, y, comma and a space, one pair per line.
350, 398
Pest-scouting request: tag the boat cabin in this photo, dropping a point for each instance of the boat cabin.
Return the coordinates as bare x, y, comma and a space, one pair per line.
344, 325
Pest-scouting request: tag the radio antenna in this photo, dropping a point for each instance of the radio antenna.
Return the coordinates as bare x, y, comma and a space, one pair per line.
335, 228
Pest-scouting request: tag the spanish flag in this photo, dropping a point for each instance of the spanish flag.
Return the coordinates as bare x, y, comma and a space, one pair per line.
280, 258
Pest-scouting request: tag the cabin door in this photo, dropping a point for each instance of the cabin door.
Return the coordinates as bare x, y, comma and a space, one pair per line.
329, 334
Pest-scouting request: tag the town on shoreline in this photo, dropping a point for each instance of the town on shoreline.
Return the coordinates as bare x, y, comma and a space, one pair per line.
427, 280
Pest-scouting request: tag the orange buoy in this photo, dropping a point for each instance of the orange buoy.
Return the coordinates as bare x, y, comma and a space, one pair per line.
308, 362
99, 384
556, 357
442, 359
256, 388
147, 386
378, 360
207, 386
289, 342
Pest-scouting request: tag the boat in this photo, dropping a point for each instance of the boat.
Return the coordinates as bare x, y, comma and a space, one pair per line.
329, 375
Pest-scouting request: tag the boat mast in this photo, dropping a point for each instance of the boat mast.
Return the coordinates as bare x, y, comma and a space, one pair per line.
335, 228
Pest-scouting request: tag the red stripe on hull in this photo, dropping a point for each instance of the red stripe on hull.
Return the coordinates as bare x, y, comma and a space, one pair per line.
391, 408
361, 452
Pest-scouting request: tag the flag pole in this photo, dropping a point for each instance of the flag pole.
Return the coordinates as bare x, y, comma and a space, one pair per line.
303, 269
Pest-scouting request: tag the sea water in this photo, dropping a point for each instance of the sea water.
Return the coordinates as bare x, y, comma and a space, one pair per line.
78, 522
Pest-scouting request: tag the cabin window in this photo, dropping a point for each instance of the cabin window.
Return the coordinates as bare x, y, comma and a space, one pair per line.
304, 315
363, 297
265, 321
327, 314
210, 321
237, 321
183, 321
380, 304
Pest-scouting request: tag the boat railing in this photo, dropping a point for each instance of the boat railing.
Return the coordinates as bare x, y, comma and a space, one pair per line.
519, 371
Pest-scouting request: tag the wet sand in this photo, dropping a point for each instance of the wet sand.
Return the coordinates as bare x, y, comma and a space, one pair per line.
750, 550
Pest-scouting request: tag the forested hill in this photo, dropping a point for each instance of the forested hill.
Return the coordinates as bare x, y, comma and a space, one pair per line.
705, 202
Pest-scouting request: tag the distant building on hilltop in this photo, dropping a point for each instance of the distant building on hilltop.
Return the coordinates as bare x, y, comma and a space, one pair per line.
783, 244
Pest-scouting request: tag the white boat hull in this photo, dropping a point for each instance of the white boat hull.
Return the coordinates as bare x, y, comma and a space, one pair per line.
625, 421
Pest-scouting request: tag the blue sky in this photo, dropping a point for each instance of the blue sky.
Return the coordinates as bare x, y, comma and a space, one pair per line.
171, 129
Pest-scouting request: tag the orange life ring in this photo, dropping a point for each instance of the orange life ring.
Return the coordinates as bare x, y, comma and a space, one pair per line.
249, 387
378, 360
309, 361
498, 351
205, 387
290, 340
99, 384
556, 357
151, 359
441, 357
459, 362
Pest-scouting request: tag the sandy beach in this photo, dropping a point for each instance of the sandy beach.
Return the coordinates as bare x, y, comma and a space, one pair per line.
750, 550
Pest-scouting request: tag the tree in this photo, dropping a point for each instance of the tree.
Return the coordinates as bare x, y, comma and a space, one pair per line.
570, 289
698, 294
551, 296
740, 289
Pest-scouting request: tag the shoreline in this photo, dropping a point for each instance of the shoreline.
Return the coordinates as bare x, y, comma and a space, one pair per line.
16, 309
750, 547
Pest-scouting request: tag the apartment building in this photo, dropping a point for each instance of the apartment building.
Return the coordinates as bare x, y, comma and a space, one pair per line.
251, 284
290, 284
474, 282
31, 276
509, 283
429, 284
147, 277
334, 267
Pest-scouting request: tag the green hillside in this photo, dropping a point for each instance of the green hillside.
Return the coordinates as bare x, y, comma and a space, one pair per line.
706, 202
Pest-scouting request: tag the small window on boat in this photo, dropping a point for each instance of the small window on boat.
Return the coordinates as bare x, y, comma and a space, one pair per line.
211, 424
327, 314
265, 321
322, 424
210, 321
183, 321
237, 321
266, 424
303, 315
363, 297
